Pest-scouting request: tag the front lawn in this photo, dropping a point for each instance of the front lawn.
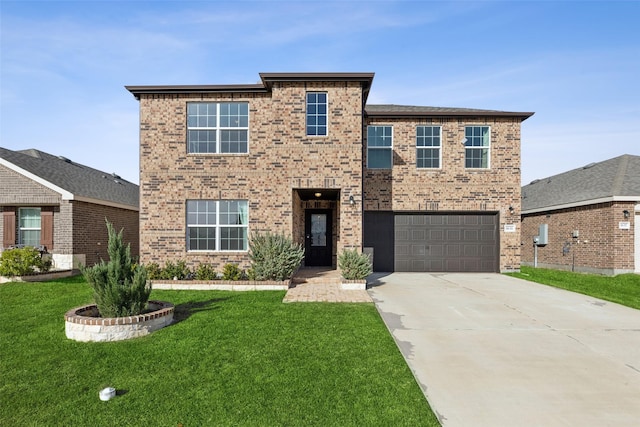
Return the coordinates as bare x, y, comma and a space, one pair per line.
232, 358
622, 289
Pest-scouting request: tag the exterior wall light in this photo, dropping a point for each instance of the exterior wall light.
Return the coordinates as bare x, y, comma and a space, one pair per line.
511, 210
352, 201
626, 214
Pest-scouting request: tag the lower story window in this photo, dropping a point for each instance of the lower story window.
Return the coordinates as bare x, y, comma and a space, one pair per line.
217, 225
29, 226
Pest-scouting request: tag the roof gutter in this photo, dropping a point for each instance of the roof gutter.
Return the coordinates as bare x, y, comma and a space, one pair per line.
583, 203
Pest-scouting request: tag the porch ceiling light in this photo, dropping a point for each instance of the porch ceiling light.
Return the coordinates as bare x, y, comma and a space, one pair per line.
318, 194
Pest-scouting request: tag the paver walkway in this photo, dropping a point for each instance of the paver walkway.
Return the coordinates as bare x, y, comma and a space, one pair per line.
322, 285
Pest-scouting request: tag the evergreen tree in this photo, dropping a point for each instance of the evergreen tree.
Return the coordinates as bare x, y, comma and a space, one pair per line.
120, 287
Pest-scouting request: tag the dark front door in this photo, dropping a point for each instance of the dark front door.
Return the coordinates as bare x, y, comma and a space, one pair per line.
318, 238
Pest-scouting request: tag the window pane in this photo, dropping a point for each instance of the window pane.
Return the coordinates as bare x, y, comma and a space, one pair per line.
202, 239
29, 218
379, 136
202, 141
428, 158
233, 141
201, 212
30, 237
379, 158
233, 238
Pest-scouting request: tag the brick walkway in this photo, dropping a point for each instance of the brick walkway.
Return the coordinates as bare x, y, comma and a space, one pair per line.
322, 285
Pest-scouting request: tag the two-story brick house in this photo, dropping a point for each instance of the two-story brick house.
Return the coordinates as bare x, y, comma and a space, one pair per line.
424, 189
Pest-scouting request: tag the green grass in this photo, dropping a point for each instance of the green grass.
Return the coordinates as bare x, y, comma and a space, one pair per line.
622, 289
232, 358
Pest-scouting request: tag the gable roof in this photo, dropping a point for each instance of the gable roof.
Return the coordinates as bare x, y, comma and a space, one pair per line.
392, 110
616, 179
71, 180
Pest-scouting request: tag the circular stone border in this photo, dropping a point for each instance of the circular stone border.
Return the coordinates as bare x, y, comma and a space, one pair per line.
84, 324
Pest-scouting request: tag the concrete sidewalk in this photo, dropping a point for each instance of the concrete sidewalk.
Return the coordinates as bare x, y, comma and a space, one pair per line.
491, 350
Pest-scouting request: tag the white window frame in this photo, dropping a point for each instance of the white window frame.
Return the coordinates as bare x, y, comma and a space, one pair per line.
21, 228
389, 148
218, 129
477, 147
217, 226
429, 147
306, 114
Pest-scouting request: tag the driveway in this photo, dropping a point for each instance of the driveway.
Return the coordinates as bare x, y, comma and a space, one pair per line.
492, 350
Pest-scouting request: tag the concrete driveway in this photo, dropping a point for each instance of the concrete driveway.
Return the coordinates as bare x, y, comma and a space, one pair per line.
491, 350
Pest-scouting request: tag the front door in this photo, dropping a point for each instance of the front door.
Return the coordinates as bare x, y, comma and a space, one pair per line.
318, 238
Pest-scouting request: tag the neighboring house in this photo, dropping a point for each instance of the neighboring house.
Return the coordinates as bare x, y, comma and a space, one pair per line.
422, 188
54, 203
590, 215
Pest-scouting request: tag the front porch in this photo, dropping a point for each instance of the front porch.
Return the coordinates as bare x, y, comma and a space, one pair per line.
322, 284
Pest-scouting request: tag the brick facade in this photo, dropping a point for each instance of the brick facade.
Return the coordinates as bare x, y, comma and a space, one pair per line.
453, 188
281, 160
284, 165
602, 246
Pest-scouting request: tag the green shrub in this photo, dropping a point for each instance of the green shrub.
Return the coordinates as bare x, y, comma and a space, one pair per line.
119, 288
154, 271
22, 261
178, 271
206, 272
354, 265
231, 272
274, 256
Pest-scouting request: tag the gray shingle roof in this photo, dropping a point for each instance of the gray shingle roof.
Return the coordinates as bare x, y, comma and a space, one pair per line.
617, 178
412, 110
80, 180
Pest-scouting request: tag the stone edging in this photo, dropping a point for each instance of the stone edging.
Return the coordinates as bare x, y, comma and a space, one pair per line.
39, 277
353, 285
221, 285
83, 323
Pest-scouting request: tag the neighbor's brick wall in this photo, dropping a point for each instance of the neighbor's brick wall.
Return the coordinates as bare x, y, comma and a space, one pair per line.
90, 235
18, 191
452, 187
281, 158
602, 247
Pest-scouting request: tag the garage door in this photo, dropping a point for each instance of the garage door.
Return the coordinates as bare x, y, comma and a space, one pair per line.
448, 242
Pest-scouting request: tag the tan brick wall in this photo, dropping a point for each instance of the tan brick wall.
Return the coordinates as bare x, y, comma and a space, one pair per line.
281, 159
452, 187
602, 247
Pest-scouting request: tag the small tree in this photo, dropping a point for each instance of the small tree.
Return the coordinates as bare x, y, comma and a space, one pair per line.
354, 265
273, 256
120, 287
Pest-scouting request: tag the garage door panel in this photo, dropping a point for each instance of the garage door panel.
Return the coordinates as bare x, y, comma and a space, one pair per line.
446, 242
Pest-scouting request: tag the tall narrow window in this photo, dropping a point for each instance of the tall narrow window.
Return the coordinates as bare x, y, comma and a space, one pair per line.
218, 127
29, 226
316, 113
379, 147
428, 146
477, 142
217, 225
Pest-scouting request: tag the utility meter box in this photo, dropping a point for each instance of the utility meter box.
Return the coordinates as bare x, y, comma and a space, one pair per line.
543, 235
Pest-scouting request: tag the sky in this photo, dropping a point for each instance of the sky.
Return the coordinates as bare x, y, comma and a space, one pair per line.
576, 64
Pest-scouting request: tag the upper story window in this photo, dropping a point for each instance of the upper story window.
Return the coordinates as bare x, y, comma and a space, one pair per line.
217, 225
428, 153
316, 113
379, 147
218, 127
29, 226
477, 143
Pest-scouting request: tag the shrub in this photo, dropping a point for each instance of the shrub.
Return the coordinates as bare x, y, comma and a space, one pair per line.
231, 272
22, 261
178, 271
274, 256
119, 288
354, 265
206, 272
154, 271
